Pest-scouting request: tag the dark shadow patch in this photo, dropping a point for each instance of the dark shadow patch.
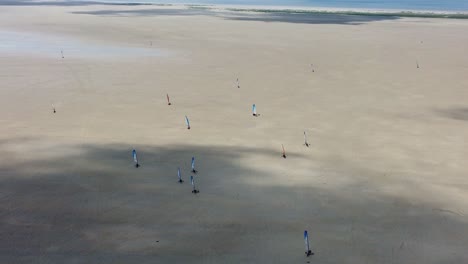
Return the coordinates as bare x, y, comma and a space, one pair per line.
146, 12
457, 113
91, 204
309, 18
285, 17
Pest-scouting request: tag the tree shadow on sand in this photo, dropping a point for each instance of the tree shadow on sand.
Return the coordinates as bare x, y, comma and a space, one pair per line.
89, 204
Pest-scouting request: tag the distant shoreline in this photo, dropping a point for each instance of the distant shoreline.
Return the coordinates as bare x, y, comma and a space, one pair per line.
320, 10
263, 9
344, 11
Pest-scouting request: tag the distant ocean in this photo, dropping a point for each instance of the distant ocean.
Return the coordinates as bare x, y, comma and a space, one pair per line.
423, 5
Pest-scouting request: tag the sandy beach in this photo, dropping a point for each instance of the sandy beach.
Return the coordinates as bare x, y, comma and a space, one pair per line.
384, 101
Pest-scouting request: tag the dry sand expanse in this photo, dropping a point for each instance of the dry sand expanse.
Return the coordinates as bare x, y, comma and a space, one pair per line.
385, 179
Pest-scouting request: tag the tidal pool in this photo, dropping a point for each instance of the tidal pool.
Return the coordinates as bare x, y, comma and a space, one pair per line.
46, 45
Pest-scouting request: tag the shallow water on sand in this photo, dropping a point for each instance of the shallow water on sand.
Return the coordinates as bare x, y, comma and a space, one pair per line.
435, 5
27, 43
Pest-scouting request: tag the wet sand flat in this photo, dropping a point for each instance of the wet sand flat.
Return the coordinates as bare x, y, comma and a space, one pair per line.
383, 181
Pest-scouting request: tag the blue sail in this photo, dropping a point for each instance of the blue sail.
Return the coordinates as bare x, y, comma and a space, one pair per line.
306, 240
178, 173
192, 182
254, 109
187, 121
135, 156
193, 163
